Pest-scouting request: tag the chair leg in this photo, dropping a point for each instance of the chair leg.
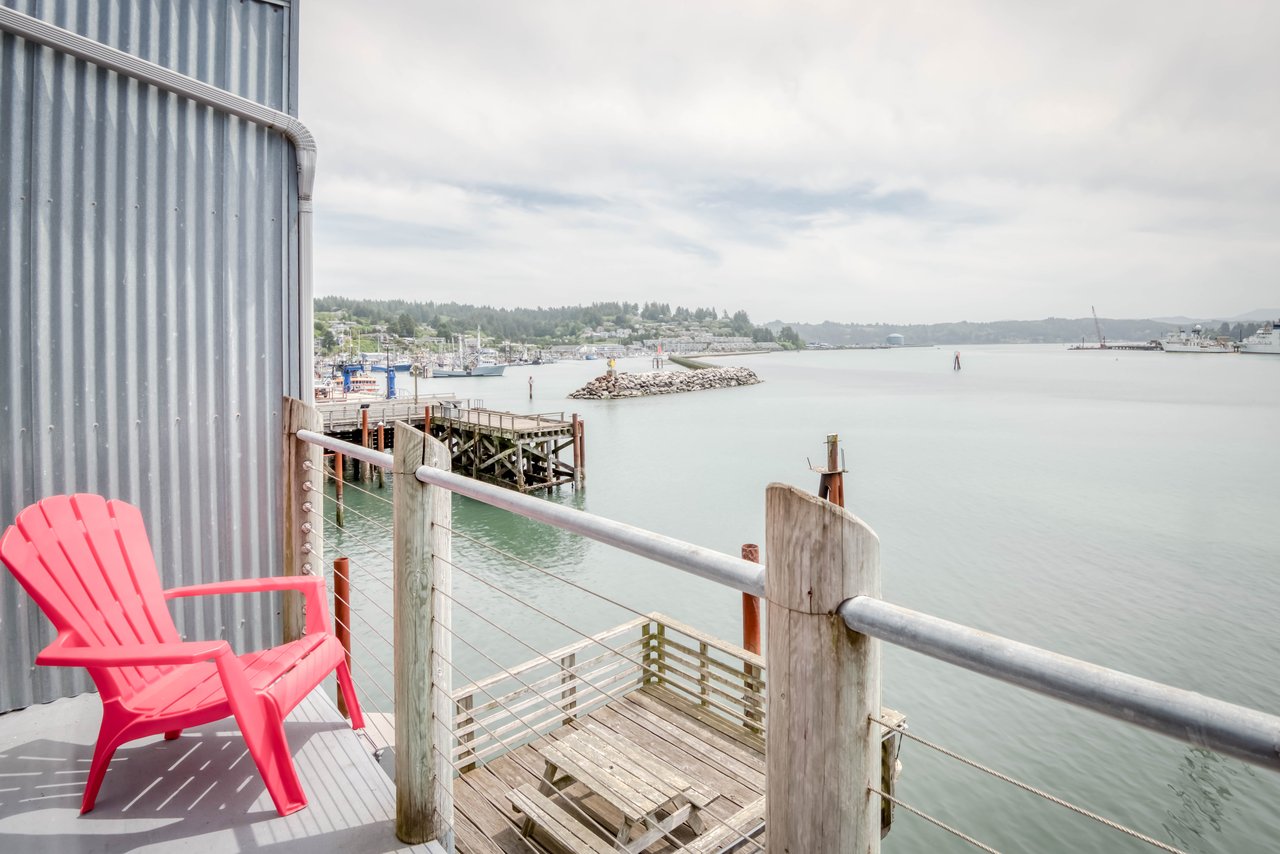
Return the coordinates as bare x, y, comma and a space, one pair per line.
270, 751
109, 738
172, 734
348, 689
262, 726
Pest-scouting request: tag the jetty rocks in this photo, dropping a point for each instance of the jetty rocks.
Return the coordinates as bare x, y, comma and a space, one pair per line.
663, 382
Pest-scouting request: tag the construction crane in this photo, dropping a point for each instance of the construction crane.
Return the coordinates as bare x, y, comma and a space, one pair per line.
1102, 342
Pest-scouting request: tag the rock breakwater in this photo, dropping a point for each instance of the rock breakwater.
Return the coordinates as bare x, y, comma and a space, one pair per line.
663, 382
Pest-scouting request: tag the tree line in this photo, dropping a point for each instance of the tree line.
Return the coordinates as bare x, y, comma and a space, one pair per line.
1051, 330
543, 325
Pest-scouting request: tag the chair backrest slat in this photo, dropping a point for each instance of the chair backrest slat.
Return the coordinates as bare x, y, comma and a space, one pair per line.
88, 564
118, 537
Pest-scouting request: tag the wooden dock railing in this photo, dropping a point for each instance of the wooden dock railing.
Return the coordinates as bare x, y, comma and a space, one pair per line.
496, 715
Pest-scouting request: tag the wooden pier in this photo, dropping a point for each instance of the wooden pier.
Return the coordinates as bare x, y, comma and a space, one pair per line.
519, 451
343, 418
523, 452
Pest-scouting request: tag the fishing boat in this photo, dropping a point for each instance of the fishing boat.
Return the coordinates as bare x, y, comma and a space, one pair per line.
1265, 340
475, 370
467, 364
362, 384
1195, 341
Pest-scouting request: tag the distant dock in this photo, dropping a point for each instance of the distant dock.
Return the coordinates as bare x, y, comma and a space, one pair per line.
519, 451
1147, 346
522, 452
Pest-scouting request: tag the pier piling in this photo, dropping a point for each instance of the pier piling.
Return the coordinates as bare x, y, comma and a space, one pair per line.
339, 477
364, 442
382, 446
752, 673
342, 615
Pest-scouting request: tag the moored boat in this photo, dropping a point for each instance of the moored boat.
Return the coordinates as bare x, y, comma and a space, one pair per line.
472, 371
1265, 340
1195, 341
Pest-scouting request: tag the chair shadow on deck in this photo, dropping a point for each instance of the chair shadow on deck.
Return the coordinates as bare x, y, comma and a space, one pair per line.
201, 789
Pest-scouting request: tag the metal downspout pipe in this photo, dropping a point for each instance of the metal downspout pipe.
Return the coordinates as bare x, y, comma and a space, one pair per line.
39, 32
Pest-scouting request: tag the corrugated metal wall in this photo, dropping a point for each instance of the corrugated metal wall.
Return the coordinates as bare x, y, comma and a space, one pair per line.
149, 300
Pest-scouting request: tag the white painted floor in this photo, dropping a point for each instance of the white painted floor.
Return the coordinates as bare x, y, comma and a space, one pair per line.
198, 793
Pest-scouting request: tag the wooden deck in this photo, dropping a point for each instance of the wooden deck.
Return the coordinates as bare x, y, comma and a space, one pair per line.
199, 792
727, 760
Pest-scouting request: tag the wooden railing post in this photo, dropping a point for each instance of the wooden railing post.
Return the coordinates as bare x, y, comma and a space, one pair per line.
824, 680
569, 686
464, 704
421, 519
302, 480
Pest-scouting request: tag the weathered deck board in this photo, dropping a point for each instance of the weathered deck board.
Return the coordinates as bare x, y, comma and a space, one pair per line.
199, 792
702, 752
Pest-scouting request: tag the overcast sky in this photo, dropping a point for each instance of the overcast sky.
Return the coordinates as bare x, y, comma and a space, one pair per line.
893, 161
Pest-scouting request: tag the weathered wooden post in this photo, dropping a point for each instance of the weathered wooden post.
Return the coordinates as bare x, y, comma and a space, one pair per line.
464, 704
342, 615
751, 606
382, 446
302, 480
823, 680
364, 441
831, 483
751, 673
580, 447
569, 687
339, 466
421, 518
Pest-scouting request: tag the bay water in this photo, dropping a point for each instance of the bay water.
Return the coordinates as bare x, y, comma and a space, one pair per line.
1116, 506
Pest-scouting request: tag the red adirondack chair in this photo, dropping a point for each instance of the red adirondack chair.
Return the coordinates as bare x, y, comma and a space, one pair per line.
88, 564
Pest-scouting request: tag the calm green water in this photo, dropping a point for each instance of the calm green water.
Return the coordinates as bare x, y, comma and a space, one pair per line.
1119, 507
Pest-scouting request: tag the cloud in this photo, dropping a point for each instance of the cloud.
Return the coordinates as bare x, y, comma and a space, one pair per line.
913, 160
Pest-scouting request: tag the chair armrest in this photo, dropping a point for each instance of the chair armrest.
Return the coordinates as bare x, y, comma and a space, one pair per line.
63, 653
247, 585
311, 586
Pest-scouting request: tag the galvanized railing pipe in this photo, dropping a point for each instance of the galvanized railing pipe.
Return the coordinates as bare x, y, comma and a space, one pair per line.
1194, 718
697, 560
